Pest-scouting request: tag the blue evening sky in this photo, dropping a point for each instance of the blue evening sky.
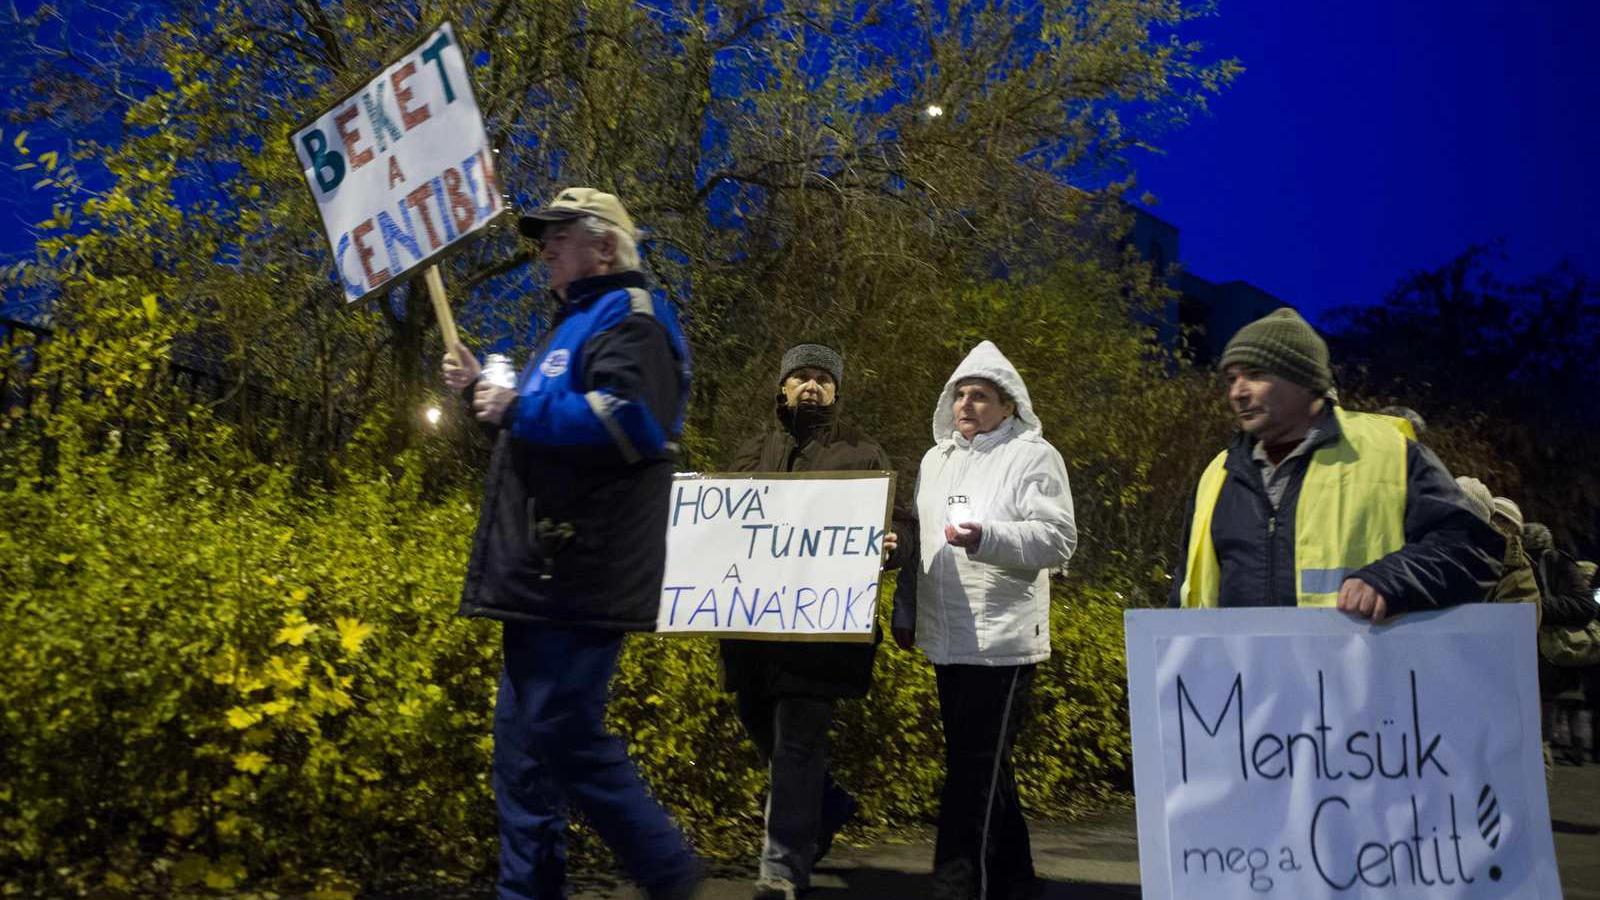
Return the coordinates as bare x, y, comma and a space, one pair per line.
1370, 138
1366, 139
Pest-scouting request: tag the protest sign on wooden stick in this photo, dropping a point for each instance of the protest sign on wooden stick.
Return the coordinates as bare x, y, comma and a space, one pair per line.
401, 171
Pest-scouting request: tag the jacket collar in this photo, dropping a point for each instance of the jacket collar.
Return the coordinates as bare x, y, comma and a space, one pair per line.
585, 291
992, 438
822, 423
1241, 448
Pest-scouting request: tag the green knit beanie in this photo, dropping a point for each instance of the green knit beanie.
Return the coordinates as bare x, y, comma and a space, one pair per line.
1283, 344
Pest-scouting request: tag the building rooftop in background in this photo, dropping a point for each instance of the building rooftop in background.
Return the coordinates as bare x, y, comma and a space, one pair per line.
1207, 312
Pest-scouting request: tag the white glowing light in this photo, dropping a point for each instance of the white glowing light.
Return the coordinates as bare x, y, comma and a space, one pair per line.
958, 512
934, 110
433, 414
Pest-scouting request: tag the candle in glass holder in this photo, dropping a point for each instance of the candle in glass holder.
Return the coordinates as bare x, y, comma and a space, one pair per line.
959, 511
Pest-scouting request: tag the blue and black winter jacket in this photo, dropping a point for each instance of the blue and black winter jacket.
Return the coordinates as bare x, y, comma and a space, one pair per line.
573, 525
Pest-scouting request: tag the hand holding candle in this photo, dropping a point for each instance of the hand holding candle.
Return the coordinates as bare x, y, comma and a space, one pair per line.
960, 530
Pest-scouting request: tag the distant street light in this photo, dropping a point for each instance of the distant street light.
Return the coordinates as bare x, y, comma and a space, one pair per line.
934, 110
433, 415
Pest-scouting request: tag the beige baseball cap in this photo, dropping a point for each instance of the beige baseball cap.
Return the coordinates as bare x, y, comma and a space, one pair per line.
573, 203
1504, 506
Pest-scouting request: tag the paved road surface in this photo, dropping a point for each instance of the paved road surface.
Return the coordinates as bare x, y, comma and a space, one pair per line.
1099, 860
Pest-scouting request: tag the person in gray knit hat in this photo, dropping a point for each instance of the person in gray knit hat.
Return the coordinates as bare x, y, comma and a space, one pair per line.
812, 356
1285, 345
785, 691
1392, 530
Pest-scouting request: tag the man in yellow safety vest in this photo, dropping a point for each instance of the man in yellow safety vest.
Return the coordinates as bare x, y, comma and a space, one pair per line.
1312, 505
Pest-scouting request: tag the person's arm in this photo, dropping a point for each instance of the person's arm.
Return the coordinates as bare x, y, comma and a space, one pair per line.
903, 618
1516, 584
1567, 602
1045, 532
1450, 556
902, 521
748, 458
903, 524
629, 396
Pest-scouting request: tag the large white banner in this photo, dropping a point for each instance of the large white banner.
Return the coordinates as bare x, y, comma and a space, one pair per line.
401, 169
1303, 753
777, 557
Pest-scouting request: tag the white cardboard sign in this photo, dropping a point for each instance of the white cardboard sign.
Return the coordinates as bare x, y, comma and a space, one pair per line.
776, 557
1303, 753
401, 169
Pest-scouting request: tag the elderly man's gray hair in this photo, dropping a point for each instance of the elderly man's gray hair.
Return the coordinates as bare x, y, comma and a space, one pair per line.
627, 248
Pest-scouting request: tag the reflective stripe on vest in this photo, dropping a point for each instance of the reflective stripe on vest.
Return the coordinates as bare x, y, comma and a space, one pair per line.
1351, 511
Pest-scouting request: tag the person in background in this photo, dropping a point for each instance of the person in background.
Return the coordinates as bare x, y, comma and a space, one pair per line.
1568, 604
571, 548
786, 690
1415, 426
1591, 682
1516, 584
995, 518
1582, 747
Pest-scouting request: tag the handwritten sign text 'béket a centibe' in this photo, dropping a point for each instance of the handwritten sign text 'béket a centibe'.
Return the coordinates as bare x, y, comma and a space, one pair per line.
401, 170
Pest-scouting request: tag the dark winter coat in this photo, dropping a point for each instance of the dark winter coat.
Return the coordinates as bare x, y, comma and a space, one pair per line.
1450, 555
574, 519
1565, 597
822, 669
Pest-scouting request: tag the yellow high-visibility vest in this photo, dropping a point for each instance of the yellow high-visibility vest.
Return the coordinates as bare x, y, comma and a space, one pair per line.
1403, 424
1351, 511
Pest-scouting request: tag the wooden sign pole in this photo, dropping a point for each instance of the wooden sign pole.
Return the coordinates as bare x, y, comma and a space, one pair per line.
441, 311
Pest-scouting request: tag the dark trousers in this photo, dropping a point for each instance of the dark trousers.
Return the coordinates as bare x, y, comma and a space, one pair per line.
804, 803
551, 751
982, 849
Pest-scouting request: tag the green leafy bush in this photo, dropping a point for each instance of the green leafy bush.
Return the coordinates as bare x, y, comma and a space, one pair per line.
212, 679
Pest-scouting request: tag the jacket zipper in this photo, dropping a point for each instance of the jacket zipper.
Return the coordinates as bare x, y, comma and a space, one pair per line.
1272, 552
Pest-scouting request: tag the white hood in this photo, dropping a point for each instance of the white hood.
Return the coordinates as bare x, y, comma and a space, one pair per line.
989, 605
985, 361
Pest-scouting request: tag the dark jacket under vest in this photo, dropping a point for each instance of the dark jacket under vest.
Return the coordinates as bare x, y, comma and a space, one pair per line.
1450, 555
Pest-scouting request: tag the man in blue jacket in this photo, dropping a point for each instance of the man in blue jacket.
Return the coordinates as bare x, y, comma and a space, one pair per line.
1312, 505
571, 546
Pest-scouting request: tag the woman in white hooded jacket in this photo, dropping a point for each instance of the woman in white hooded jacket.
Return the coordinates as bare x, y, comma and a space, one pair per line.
995, 518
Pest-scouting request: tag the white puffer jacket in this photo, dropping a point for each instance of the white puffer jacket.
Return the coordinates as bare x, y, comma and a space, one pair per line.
991, 606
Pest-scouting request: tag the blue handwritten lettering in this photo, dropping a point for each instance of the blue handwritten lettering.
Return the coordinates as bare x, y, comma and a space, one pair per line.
749, 608
677, 591
774, 606
708, 603
392, 235
800, 607
829, 594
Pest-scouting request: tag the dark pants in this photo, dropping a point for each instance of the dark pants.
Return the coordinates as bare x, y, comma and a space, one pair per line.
804, 803
982, 849
551, 751
1591, 699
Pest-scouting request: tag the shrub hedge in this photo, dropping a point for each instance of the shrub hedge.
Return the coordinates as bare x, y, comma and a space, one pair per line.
213, 680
